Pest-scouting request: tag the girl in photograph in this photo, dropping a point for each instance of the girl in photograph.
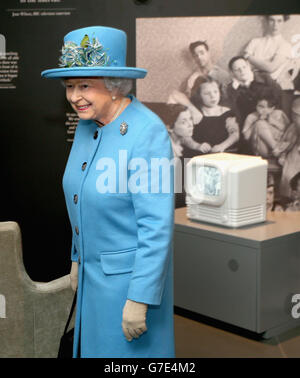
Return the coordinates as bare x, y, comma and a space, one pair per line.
265, 127
218, 130
180, 125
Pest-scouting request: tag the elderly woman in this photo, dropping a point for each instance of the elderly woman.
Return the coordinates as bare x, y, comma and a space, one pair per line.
272, 53
120, 210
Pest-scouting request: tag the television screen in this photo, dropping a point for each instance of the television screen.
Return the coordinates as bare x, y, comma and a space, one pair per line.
208, 180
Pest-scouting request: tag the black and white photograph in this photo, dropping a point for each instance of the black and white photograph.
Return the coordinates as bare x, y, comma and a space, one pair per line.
228, 84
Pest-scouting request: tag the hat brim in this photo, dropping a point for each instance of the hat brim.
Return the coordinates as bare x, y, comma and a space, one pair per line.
125, 72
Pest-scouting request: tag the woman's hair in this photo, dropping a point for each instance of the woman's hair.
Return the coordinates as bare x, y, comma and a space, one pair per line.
173, 113
195, 93
285, 16
123, 85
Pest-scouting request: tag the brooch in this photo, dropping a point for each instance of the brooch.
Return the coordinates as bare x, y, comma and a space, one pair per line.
123, 128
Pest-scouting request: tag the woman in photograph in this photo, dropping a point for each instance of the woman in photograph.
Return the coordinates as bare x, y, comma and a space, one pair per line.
122, 231
218, 130
180, 125
272, 53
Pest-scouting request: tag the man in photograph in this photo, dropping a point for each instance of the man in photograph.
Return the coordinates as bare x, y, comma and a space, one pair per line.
205, 68
245, 86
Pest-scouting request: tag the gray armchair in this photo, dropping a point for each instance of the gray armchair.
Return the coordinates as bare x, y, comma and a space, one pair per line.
32, 314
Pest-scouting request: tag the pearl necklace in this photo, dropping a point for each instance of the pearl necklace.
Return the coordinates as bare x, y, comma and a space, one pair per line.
116, 114
118, 111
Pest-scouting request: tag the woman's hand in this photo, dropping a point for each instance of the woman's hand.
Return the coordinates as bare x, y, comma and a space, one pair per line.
218, 148
134, 319
74, 275
205, 148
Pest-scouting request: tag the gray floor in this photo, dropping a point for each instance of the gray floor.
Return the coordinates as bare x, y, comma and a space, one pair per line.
194, 339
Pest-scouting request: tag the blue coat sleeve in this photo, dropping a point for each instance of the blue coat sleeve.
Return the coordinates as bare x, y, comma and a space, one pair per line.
154, 210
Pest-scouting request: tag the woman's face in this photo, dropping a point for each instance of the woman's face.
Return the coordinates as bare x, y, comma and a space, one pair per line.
209, 94
89, 97
183, 125
275, 24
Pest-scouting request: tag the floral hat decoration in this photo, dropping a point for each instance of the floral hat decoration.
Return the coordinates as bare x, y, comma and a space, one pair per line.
94, 51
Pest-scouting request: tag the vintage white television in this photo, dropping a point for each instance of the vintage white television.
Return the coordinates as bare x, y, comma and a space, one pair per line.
226, 189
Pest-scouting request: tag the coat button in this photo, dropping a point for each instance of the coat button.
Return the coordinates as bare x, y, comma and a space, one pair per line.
96, 134
75, 198
77, 230
84, 165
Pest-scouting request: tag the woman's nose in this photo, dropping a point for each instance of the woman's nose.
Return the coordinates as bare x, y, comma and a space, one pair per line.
75, 95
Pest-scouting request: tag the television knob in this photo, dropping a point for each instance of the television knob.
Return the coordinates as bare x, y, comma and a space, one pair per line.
224, 219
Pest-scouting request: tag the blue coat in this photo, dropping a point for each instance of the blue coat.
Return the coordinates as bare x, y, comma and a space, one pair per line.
122, 236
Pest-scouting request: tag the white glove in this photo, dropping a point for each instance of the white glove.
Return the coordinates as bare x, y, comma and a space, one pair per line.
74, 275
134, 319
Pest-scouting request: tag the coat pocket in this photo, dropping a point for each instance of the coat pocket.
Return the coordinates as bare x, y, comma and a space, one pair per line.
118, 262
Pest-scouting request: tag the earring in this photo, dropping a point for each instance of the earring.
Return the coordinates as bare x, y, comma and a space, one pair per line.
113, 98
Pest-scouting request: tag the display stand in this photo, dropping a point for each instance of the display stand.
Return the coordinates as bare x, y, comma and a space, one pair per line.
245, 277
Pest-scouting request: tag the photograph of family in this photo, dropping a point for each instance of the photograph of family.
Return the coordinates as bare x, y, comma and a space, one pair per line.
228, 84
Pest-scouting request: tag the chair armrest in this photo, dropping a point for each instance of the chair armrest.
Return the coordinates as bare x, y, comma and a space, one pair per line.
51, 286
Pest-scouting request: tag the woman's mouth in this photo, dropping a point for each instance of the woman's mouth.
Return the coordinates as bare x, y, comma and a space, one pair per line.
82, 108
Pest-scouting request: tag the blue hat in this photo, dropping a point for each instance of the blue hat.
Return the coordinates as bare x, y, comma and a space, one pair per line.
94, 51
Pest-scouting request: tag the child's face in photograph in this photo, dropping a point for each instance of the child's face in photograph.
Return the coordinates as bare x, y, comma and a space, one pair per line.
241, 70
184, 124
264, 109
209, 94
